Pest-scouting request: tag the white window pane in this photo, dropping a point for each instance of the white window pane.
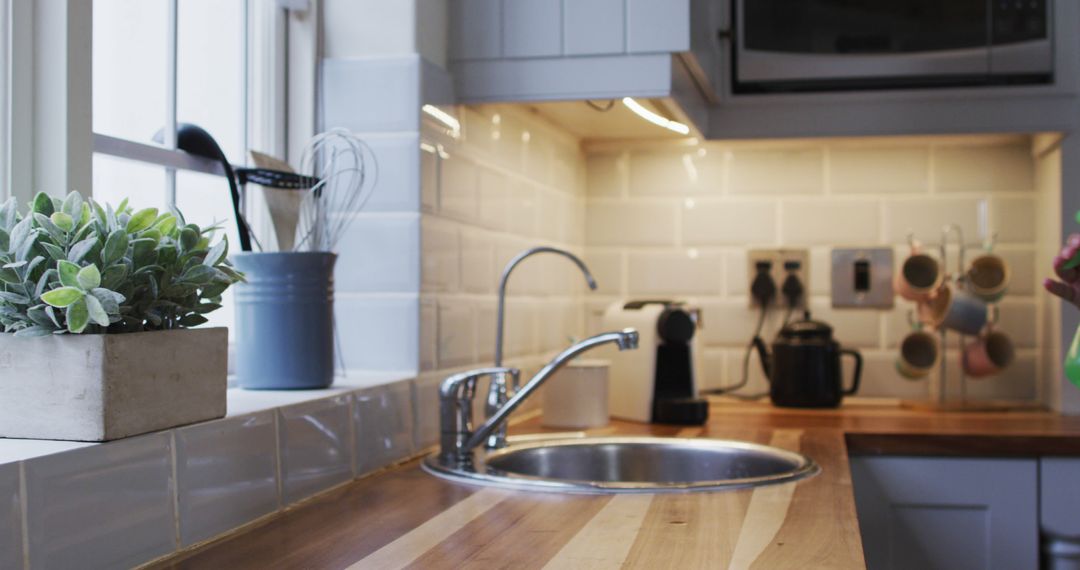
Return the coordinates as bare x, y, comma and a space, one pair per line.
210, 71
141, 183
204, 200
129, 67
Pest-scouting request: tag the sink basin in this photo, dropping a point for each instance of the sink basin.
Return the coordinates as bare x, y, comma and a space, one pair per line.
629, 465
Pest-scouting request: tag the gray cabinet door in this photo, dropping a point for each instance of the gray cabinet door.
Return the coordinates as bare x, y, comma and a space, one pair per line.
954, 514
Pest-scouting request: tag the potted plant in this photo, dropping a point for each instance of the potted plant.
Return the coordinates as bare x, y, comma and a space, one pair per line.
97, 303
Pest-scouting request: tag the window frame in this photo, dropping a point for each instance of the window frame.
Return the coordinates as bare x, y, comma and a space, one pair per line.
263, 90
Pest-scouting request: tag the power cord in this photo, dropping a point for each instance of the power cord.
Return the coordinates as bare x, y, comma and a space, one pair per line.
763, 290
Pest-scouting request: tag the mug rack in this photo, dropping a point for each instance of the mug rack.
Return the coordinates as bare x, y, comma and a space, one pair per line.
943, 400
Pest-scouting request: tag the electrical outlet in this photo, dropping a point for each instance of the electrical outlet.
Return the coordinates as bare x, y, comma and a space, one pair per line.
782, 263
862, 278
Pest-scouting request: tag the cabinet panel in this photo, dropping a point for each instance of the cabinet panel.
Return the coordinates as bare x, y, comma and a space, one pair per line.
594, 27
657, 26
532, 28
947, 513
1060, 479
476, 29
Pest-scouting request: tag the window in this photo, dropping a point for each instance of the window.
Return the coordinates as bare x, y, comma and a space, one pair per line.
158, 63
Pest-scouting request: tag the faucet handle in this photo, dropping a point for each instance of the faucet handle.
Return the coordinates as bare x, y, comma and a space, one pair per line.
455, 405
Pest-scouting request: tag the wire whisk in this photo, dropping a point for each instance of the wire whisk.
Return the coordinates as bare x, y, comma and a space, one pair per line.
347, 171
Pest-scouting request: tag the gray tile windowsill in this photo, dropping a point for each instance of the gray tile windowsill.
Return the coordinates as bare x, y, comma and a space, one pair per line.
240, 402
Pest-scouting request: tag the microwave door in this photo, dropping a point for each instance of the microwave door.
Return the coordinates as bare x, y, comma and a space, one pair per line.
767, 66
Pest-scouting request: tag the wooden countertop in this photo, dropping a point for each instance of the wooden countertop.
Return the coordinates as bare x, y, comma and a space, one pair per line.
403, 517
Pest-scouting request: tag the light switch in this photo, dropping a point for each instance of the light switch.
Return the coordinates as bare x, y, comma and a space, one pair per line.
862, 278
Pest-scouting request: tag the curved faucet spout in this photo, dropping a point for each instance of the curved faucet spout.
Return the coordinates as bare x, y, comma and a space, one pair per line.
506, 276
626, 339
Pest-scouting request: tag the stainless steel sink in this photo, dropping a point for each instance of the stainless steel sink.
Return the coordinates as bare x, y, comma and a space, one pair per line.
628, 465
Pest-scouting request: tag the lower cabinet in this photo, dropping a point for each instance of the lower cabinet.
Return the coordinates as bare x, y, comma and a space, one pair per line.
943, 513
1059, 488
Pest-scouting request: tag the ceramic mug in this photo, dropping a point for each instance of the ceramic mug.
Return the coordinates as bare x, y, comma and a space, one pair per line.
954, 310
988, 277
919, 354
988, 354
919, 278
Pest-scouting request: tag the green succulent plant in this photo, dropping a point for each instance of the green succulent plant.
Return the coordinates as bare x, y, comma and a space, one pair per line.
73, 266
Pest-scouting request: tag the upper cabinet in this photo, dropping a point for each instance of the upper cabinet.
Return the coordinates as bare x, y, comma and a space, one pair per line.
741, 69
549, 50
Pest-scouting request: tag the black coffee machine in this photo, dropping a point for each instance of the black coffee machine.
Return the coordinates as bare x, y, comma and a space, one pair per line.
656, 383
804, 369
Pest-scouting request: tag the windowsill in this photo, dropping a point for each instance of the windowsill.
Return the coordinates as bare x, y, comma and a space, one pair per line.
240, 402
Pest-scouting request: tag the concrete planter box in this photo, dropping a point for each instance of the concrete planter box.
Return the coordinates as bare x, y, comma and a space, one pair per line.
102, 387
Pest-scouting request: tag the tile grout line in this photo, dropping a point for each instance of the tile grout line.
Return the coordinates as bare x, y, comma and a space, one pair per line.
174, 490
24, 502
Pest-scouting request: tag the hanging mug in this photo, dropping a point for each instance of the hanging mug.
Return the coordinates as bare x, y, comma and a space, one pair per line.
919, 354
988, 354
954, 310
920, 277
988, 277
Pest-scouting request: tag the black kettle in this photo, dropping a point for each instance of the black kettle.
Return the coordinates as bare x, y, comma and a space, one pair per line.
804, 369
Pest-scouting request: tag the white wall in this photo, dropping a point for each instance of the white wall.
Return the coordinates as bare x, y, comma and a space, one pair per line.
677, 220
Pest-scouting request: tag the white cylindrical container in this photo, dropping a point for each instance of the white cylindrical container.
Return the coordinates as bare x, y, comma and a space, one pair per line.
577, 396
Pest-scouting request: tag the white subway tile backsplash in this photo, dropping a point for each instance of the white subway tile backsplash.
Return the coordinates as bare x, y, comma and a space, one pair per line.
630, 223
383, 423
440, 260
836, 222
226, 474
676, 172
728, 223
429, 314
378, 332
1014, 220
398, 159
607, 174
607, 269
879, 169
496, 196
797, 170
1018, 320
880, 378
457, 342
926, 220
524, 209
458, 187
1025, 279
821, 276
520, 329
477, 262
982, 168
11, 519
316, 446
108, 506
349, 94
735, 277
732, 322
426, 407
379, 253
712, 371
686, 272
737, 369
851, 327
484, 310
429, 179
1014, 383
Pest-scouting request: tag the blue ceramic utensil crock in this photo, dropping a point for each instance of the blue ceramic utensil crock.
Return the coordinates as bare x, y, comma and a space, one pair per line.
285, 320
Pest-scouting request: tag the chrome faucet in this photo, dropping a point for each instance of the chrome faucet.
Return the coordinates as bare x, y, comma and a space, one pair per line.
457, 436
499, 391
506, 277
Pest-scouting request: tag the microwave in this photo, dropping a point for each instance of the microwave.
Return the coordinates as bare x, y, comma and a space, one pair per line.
830, 45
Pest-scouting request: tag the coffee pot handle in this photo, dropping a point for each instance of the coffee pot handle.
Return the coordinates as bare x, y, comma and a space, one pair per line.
858, 370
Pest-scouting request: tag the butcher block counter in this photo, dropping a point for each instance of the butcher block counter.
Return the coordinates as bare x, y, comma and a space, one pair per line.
405, 518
